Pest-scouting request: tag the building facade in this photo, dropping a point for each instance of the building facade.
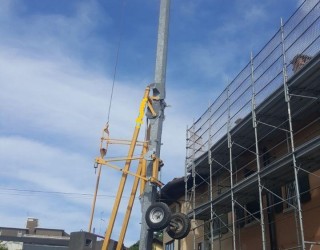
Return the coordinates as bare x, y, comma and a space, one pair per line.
253, 157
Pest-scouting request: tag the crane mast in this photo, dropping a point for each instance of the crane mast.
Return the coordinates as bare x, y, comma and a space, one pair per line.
148, 197
155, 215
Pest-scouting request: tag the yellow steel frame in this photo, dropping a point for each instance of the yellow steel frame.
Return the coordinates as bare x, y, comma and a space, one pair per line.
140, 173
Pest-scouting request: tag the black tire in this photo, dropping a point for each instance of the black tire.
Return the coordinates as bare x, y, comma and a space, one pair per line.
179, 226
158, 216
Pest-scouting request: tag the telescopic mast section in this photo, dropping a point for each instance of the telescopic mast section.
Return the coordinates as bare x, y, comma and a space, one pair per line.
158, 91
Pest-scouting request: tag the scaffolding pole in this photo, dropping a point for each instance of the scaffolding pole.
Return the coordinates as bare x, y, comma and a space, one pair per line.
294, 161
231, 175
210, 181
193, 188
186, 175
254, 123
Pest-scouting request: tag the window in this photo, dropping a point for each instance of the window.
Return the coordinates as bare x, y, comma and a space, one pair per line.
170, 245
253, 212
200, 246
290, 195
290, 191
88, 243
240, 216
219, 226
250, 214
266, 157
278, 204
216, 224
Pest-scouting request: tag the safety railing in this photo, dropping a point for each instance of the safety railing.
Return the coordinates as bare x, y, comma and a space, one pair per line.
300, 37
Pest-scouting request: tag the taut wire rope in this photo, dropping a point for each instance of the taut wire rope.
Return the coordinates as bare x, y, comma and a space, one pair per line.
117, 59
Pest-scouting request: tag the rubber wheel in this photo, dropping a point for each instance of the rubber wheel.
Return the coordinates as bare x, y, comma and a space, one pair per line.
179, 226
158, 216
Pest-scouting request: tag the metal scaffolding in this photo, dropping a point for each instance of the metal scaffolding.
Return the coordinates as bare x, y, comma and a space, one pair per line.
244, 147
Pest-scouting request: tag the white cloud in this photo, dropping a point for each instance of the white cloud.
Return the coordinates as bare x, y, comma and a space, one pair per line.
255, 13
44, 167
57, 97
54, 35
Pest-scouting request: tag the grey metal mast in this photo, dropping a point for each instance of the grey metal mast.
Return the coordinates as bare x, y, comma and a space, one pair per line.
155, 124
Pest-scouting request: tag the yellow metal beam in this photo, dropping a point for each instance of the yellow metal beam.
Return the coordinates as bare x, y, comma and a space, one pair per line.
94, 197
122, 170
102, 161
131, 201
143, 171
114, 212
121, 141
155, 168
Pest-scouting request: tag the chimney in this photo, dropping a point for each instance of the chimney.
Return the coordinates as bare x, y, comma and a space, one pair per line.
32, 224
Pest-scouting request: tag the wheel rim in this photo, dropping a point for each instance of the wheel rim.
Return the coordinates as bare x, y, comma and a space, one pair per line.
177, 225
156, 215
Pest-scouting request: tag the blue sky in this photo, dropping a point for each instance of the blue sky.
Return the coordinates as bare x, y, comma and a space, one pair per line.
56, 66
